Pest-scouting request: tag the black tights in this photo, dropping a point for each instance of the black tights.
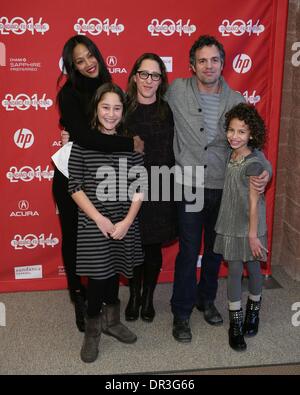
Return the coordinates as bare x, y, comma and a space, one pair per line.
101, 291
153, 255
68, 215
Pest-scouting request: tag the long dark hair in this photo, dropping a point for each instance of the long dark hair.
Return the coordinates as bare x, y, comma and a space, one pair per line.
108, 87
163, 86
69, 66
84, 86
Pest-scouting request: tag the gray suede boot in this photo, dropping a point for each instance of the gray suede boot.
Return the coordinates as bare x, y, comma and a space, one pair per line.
112, 326
90, 347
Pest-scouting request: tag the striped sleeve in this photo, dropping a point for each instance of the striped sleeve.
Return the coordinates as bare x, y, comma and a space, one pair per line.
76, 170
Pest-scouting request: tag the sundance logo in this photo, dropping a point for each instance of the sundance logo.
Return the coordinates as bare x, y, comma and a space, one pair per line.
24, 102
31, 241
24, 138
111, 62
27, 272
24, 211
27, 174
168, 27
18, 25
239, 27
95, 26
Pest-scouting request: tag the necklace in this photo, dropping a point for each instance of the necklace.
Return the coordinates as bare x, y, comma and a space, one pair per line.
237, 162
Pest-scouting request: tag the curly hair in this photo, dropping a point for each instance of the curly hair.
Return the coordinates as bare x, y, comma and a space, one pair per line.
249, 114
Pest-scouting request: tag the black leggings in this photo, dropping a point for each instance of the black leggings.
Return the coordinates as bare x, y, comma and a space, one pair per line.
101, 291
68, 215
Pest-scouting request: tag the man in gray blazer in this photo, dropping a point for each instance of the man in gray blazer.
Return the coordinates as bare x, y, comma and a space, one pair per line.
199, 105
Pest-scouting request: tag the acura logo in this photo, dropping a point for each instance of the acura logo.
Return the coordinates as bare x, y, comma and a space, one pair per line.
23, 205
111, 61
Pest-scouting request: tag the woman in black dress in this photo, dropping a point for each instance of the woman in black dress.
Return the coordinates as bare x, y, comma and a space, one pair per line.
149, 116
85, 72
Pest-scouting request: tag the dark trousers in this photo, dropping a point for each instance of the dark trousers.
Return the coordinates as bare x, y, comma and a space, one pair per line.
191, 226
68, 215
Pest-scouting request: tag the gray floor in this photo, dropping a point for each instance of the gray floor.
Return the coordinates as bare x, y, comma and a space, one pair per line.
41, 338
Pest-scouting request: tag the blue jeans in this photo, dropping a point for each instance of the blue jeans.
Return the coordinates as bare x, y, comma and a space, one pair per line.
186, 293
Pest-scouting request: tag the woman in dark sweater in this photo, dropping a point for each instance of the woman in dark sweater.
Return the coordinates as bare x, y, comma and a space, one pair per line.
149, 116
86, 71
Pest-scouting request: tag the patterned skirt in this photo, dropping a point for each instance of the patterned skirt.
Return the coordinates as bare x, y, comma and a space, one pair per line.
237, 248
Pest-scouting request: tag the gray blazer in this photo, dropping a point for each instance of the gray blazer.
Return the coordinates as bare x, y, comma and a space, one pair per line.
190, 142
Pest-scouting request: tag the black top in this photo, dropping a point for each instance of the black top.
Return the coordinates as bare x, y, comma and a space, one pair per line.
157, 218
73, 105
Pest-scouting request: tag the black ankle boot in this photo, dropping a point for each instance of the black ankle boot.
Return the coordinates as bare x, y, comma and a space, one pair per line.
79, 298
132, 310
147, 311
252, 318
236, 337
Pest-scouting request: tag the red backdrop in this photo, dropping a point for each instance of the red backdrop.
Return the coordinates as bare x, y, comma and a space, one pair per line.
32, 35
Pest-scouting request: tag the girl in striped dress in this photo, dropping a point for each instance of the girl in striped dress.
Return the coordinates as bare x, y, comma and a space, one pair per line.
108, 238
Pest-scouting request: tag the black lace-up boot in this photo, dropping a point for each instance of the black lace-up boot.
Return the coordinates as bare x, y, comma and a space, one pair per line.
236, 337
252, 318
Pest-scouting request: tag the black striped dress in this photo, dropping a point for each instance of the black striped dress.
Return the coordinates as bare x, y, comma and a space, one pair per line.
104, 179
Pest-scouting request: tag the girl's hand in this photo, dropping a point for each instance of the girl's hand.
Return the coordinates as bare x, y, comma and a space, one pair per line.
105, 225
121, 229
256, 247
260, 182
65, 137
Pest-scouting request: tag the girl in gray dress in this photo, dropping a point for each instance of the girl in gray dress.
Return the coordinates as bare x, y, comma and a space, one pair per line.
241, 226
